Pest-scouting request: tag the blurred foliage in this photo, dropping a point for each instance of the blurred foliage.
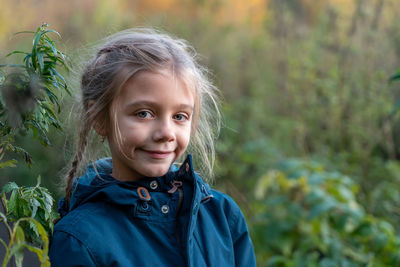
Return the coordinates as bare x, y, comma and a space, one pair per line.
395, 77
307, 216
301, 79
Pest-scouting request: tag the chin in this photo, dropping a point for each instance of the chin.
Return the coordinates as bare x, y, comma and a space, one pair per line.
157, 173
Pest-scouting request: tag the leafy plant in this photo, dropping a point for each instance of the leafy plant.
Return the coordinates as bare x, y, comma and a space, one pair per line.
307, 216
29, 209
29, 98
35, 202
29, 102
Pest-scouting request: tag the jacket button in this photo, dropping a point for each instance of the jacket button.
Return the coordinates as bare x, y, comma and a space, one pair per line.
153, 185
165, 209
145, 206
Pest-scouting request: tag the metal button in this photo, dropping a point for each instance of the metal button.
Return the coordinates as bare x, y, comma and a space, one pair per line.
153, 185
165, 209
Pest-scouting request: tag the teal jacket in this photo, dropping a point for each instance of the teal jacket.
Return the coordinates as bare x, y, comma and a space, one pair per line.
174, 220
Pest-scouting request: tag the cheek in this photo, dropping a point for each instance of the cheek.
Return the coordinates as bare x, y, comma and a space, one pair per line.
184, 139
136, 135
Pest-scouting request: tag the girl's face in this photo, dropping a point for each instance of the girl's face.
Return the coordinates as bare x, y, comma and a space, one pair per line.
150, 125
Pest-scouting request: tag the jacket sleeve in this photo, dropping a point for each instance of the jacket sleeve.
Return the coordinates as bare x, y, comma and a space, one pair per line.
243, 247
67, 251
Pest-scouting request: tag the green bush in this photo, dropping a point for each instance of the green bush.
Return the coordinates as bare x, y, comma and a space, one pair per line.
28, 218
307, 216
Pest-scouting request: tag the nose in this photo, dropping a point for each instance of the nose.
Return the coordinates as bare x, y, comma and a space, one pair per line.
164, 131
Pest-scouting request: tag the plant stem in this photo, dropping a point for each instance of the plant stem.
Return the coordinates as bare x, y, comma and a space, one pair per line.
5, 261
3, 205
5, 213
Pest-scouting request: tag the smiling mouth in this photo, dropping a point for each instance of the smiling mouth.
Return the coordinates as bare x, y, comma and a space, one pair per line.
158, 154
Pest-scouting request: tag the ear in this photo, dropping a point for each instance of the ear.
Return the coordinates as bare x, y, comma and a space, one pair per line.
100, 127
99, 124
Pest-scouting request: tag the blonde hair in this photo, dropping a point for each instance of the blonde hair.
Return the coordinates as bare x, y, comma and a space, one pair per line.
124, 54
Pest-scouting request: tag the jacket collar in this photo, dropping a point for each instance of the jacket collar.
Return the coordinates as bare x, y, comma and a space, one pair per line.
97, 183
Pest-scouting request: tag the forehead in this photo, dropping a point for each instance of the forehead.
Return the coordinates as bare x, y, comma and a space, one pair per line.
161, 86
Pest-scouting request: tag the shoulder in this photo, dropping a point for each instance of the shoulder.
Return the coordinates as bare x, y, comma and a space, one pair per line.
80, 233
220, 205
80, 216
67, 249
85, 223
229, 207
217, 196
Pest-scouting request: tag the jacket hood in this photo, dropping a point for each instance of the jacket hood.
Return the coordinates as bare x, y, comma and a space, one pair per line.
97, 183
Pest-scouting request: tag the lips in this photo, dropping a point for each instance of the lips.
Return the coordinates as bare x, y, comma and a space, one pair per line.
157, 154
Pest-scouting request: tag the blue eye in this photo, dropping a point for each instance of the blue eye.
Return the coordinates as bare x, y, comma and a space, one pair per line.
180, 117
143, 114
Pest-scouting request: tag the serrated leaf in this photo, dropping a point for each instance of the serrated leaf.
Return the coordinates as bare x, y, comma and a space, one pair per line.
34, 205
12, 205
45, 239
34, 228
23, 208
48, 201
9, 187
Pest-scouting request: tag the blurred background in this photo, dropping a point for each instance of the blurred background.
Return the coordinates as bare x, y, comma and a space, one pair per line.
310, 145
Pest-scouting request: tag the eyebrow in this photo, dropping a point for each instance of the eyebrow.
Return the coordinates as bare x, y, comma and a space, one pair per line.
151, 103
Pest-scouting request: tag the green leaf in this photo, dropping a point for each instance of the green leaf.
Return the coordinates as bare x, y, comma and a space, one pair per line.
51, 44
34, 228
23, 32
45, 239
48, 201
395, 108
3, 218
34, 205
17, 250
41, 61
37, 251
51, 31
395, 76
19, 235
9, 163
38, 181
16, 52
64, 83
12, 205
9, 187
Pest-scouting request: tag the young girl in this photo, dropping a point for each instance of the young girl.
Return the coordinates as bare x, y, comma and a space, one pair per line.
145, 94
